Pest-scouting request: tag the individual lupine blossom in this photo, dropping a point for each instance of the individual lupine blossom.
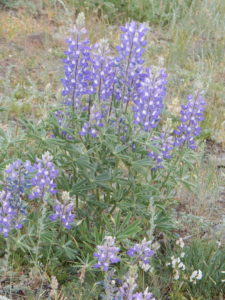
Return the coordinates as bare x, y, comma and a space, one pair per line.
142, 253
17, 182
191, 116
107, 254
10, 217
196, 275
130, 60
77, 67
148, 103
127, 290
44, 174
63, 211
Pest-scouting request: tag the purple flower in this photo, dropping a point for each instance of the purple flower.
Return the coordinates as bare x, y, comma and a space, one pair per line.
191, 116
107, 254
44, 174
9, 217
17, 182
132, 43
63, 211
129, 60
103, 70
78, 76
141, 252
148, 103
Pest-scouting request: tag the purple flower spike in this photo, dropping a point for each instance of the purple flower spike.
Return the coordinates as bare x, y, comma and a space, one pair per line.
103, 70
63, 212
148, 103
129, 61
43, 179
77, 68
127, 290
107, 254
191, 116
142, 253
9, 217
17, 182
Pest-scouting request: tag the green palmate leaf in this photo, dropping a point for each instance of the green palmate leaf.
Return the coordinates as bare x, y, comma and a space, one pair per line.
84, 163
98, 203
120, 227
129, 231
82, 186
125, 222
164, 223
101, 180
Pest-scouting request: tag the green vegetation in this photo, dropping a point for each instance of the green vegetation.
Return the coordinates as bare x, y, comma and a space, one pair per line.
45, 260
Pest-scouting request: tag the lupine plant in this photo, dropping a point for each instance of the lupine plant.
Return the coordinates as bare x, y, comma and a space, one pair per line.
117, 164
116, 153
